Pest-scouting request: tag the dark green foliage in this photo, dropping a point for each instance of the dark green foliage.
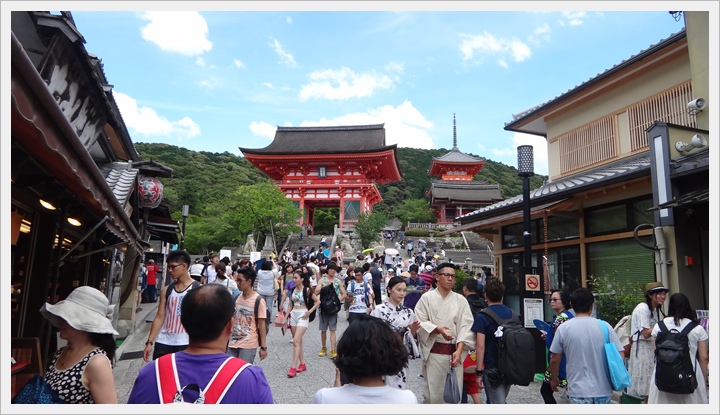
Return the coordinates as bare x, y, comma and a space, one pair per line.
614, 300
417, 232
369, 226
325, 220
460, 277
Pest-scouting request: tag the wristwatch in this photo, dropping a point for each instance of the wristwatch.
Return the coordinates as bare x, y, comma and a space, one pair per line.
479, 372
263, 348
148, 342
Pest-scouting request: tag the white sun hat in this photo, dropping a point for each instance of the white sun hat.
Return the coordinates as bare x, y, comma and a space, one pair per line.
86, 309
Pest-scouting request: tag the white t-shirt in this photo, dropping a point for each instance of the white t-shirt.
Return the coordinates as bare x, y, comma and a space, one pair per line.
196, 269
358, 289
350, 394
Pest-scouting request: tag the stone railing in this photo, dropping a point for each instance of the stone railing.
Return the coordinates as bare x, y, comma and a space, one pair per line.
431, 226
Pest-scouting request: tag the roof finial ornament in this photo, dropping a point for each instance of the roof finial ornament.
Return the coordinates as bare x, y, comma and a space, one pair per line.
454, 134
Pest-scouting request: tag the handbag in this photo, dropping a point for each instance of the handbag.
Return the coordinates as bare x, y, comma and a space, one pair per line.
280, 319
452, 390
37, 390
619, 376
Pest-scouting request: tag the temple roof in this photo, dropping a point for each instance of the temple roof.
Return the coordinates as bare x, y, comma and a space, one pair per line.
457, 156
465, 191
326, 140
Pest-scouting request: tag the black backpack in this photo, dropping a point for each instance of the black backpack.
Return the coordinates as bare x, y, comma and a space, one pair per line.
516, 350
309, 303
267, 314
674, 371
329, 302
476, 305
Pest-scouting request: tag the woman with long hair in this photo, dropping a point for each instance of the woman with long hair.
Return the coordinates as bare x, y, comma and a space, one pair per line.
641, 361
402, 320
368, 352
283, 278
560, 303
82, 371
680, 314
299, 316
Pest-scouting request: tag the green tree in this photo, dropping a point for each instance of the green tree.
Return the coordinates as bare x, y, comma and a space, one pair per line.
369, 226
261, 209
414, 210
325, 220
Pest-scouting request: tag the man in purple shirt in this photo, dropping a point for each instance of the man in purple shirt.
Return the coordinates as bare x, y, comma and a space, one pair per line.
415, 286
207, 314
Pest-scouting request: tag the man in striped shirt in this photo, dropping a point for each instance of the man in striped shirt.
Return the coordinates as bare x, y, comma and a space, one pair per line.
167, 333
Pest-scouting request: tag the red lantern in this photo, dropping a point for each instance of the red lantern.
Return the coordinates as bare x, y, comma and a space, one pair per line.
151, 192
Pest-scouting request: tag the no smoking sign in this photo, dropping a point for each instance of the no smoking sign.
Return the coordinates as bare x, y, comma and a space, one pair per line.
532, 282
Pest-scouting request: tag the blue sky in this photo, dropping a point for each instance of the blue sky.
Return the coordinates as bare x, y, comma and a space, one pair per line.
218, 80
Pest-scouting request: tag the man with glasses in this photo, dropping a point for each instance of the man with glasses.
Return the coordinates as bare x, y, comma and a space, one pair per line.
445, 336
167, 333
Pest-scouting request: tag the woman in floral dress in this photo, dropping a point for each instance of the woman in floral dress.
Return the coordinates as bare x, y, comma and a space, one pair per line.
641, 362
401, 319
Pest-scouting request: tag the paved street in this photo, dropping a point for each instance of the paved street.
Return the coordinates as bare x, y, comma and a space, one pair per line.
298, 390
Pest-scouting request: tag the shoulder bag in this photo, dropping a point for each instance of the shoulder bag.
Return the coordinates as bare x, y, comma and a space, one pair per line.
619, 376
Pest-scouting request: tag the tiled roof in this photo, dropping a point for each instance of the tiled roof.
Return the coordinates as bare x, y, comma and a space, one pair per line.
465, 191
326, 140
120, 179
616, 68
456, 156
621, 170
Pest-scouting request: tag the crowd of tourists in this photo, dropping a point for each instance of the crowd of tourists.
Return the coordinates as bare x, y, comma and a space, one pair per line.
214, 317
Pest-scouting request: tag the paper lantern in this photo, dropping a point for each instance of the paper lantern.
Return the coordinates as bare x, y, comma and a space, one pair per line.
151, 192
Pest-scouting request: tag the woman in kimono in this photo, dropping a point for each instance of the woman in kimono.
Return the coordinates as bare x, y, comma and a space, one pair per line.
403, 321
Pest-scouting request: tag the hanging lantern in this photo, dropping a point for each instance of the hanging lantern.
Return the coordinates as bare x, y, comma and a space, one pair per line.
151, 192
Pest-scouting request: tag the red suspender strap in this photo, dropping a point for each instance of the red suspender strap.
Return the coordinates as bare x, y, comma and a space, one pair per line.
223, 379
166, 375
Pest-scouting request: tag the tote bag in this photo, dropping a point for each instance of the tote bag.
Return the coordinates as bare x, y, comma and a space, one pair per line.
619, 376
36, 391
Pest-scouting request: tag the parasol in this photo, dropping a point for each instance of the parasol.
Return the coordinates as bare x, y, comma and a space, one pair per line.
391, 251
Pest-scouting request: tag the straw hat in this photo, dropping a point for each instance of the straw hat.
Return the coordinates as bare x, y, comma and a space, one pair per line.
653, 287
405, 274
85, 309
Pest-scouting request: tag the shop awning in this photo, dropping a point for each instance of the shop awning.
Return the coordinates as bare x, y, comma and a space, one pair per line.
696, 196
47, 136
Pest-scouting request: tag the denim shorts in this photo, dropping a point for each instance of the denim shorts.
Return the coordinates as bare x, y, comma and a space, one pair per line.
596, 400
328, 322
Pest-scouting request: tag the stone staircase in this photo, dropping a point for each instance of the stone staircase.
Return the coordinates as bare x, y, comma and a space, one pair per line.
294, 241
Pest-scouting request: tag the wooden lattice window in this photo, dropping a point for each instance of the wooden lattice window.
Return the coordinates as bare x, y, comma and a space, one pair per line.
669, 106
588, 145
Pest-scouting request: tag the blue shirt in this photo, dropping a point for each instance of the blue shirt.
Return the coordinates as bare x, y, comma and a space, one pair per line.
487, 326
412, 298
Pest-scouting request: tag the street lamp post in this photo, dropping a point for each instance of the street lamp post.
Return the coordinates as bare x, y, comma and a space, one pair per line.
526, 170
185, 213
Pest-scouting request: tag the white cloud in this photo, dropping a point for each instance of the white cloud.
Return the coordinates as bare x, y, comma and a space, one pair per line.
539, 150
238, 63
404, 124
288, 20
540, 34
285, 58
262, 129
572, 18
475, 48
268, 85
185, 33
200, 62
343, 83
146, 121
210, 83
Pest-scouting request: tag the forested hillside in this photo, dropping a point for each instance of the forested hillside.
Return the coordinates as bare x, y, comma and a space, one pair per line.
207, 182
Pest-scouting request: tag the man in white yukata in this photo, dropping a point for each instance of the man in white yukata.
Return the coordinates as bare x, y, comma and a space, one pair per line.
445, 336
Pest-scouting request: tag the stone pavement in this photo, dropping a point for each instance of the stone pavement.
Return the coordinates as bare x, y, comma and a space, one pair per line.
297, 390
